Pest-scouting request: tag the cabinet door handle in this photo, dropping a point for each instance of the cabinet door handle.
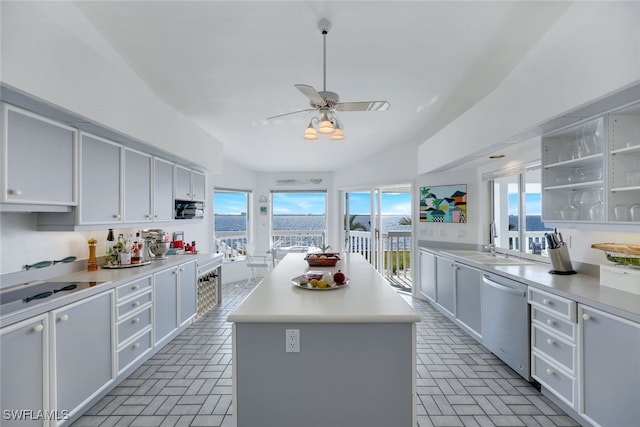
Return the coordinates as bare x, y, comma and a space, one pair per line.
546, 302
135, 320
586, 316
38, 328
155, 215
174, 272
181, 269
550, 341
116, 216
550, 372
15, 192
64, 317
550, 322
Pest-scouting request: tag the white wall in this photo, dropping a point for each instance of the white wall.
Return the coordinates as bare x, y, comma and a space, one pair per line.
50, 50
22, 244
592, 51
471, 232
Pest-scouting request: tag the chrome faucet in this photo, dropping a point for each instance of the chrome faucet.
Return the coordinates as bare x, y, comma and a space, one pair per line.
491, 247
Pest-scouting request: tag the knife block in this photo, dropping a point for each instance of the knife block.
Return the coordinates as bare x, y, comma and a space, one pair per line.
560, 260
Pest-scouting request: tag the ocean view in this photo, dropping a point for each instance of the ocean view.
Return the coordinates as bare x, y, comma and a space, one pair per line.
304, 222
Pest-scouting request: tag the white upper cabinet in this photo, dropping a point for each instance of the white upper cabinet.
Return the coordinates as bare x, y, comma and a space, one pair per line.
624, 167
190, 184
137, 189
39, 159
162, 190
100, 181
591, 171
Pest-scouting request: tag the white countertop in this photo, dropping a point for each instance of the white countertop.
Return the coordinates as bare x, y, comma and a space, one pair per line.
368, 298
577, 287
104, 279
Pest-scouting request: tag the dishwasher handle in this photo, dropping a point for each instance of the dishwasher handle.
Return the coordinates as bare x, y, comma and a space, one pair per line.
504, 288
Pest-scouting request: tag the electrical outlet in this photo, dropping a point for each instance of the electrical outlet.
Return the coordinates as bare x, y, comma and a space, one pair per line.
292, 340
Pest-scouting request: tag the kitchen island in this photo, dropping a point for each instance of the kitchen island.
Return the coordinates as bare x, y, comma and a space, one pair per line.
356, 363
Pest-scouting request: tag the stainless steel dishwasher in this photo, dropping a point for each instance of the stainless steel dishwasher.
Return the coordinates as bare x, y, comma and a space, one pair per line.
505, 321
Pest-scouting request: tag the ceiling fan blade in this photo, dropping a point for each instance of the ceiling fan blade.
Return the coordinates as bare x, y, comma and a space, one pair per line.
293, 112
312, 94
362, 106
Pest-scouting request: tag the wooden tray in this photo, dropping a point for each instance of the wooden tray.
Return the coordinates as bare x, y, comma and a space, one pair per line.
621, 248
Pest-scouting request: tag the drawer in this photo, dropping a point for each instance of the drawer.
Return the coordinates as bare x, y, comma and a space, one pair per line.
554, 379
561, 307
554, 347
124, 291
133, 350
555, 323
133, 324
126, 307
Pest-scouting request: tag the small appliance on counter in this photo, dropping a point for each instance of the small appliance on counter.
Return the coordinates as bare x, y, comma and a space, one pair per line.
157, 242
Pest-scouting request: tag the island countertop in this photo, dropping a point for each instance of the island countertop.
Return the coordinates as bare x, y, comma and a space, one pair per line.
367, 298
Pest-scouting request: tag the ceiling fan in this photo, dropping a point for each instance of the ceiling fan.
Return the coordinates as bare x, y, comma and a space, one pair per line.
326, 102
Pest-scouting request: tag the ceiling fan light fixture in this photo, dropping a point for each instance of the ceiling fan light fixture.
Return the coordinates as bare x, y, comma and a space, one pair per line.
310, 133
337, 135
325, 126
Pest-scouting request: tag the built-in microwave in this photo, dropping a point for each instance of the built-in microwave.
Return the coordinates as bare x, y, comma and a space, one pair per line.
188, 209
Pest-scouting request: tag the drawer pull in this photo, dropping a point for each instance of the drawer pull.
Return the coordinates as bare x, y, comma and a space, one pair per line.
550, 322
38, 328
15, 192
64, 317
135, 320
550, 372
546, 302
135, 287
586, 316
116, 216
136, 345
550, 341
135, 304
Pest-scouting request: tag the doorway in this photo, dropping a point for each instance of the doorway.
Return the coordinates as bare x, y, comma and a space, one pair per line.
377, 225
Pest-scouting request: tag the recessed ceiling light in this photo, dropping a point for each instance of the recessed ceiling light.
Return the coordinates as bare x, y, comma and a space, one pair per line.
496, 156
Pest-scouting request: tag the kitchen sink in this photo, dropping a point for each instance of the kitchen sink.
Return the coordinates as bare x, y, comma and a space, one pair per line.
488, 259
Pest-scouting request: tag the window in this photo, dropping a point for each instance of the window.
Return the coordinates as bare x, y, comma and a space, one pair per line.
230, 220
516, 211
299, 218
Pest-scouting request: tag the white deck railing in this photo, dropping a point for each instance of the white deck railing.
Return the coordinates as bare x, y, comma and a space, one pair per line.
231, 243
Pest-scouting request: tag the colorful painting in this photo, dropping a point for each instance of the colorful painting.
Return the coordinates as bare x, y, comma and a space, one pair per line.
443, 203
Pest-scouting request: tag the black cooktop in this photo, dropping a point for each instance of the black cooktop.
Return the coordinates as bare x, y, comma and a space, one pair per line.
26, 296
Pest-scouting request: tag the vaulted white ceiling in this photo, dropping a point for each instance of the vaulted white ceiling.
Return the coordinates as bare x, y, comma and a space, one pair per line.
228, 65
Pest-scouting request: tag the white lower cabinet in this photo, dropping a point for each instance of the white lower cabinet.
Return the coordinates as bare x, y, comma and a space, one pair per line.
187, 292
553, 344
82, 357
24, 369
428, 275
610, 368
133, 321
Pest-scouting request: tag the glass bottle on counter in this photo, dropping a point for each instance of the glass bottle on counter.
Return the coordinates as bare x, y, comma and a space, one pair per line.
110, 244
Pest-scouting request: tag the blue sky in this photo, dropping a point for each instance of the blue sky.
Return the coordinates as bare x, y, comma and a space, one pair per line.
313, 203
533, 204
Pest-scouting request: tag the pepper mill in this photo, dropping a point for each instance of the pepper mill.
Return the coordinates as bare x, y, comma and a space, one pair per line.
92, 263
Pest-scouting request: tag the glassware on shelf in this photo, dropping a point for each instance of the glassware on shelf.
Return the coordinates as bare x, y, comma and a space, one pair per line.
634, 212
632, 178
596, 212
621, 212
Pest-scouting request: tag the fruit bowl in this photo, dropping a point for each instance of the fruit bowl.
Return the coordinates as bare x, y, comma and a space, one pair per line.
324, 259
